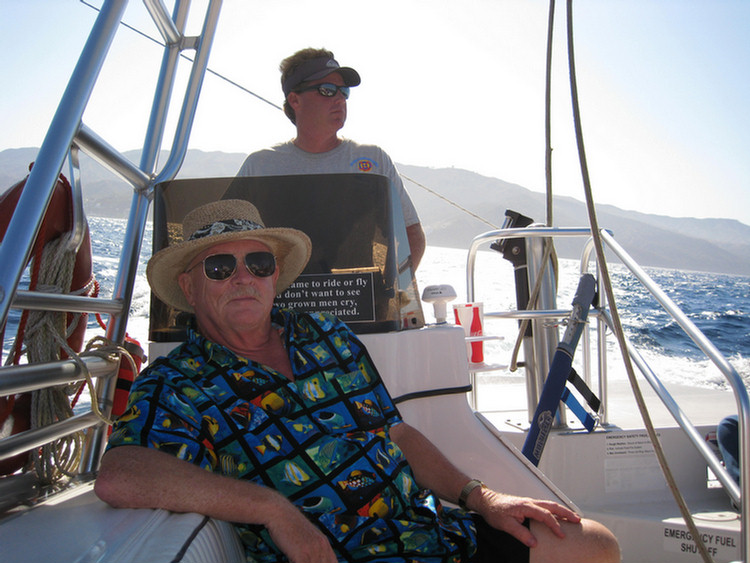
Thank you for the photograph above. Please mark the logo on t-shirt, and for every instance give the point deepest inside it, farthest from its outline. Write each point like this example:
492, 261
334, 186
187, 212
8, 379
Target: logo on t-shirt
364, 165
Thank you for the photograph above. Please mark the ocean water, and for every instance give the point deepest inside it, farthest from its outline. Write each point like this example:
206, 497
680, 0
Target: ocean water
718, 304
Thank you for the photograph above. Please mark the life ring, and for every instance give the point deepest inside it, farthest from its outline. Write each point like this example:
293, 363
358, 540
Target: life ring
15, 411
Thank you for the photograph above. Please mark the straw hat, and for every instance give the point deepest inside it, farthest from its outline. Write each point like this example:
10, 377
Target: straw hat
219, 222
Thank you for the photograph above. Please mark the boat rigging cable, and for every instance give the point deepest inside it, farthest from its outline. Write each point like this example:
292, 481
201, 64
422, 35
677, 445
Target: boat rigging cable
548, 246
607, 283
217, 74
276, 106
450, 202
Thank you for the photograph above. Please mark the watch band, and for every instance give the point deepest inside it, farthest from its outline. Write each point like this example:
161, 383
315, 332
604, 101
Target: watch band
466, 491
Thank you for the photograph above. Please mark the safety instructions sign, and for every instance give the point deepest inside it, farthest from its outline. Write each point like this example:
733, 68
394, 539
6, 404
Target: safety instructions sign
630, 464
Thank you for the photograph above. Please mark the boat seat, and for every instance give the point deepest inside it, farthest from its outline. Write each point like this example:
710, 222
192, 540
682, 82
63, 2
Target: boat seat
78, 526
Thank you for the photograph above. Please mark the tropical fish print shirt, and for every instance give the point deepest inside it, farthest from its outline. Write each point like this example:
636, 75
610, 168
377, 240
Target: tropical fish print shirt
321, 440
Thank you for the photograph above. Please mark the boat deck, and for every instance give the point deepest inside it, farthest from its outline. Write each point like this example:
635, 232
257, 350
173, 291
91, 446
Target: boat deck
614, 476
499, 397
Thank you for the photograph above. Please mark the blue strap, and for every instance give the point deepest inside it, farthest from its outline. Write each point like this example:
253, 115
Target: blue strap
588, 421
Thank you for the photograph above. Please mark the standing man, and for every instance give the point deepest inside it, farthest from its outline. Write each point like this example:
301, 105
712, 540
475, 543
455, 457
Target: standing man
315, 92
279, 422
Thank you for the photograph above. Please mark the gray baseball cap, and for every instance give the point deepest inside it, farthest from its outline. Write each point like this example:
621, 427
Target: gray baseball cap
314, 69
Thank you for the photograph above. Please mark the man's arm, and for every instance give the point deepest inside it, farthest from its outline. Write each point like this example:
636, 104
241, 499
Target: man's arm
434, 471
417, 243
139, 477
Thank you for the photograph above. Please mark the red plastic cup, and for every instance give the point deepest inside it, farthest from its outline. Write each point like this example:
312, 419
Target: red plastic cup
470, 316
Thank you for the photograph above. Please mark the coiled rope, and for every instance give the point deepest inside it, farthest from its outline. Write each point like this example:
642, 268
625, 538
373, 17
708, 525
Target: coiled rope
44, 336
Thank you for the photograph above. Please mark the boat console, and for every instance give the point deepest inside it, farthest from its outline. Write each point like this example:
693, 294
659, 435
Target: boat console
360, 269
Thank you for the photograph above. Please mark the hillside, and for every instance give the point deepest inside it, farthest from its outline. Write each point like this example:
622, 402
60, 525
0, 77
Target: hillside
653, 240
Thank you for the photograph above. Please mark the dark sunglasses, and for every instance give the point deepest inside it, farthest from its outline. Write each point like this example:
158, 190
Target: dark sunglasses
328, 90
221, 267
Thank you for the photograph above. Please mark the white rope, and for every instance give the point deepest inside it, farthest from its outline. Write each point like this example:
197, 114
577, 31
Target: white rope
106, 349
46, 333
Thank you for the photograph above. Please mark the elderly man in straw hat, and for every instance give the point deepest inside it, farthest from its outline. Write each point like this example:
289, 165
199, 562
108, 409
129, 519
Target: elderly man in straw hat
278, 421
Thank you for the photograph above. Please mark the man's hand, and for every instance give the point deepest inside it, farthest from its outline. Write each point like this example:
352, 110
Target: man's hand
297, 537
507, 513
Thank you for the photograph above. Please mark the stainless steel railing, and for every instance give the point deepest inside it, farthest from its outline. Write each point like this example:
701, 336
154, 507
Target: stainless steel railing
66, 136
737, 493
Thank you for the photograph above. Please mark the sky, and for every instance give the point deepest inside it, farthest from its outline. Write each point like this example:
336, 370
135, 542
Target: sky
663, 87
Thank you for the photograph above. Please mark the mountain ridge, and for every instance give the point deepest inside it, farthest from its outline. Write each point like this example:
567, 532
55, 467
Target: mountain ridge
468, 204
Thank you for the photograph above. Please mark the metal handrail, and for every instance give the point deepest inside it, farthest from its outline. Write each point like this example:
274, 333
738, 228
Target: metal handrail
142, 198
677, 413
737, 493
706, 346
77, 234
163, 22
32, 377
542, 314
192, 93
106, 155
529, 232
34, 200
42, 301
30, 439
67, 134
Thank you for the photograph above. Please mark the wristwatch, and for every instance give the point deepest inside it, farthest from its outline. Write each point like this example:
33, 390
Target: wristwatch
466, 491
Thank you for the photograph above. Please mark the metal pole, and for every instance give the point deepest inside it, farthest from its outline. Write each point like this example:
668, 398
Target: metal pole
37, 193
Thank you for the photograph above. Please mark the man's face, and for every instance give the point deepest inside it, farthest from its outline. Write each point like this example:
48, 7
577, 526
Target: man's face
314, 111
237, 304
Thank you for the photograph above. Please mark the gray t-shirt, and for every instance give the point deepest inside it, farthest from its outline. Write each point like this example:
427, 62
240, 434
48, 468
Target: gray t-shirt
286, 158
